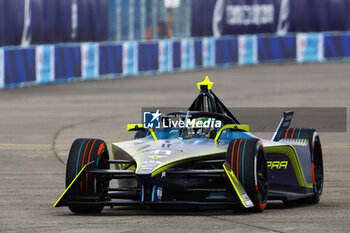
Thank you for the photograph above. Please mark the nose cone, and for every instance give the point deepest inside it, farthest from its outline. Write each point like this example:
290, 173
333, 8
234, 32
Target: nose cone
154, 159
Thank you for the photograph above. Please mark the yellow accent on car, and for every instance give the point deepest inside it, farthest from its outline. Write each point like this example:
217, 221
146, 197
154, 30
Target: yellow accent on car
65, 191
134, 126
277, 164
231, 126
206, 82
153, 135
241, 193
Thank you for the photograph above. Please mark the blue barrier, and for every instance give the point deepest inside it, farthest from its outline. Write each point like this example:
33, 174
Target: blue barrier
176, 55
67, 62
148, 57
226, 51
198, 53
19, 66
337, 46
276, 48
57, 63
110, 59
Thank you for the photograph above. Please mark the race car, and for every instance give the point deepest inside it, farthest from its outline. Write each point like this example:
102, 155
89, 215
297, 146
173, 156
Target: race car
219, 163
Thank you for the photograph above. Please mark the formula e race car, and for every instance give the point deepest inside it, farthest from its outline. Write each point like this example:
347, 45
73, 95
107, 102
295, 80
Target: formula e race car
219, 163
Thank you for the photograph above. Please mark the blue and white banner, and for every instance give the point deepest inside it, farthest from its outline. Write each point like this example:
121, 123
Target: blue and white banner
130, 62
247, 50
63, 62
187, 54
165, 56
2, 68
309, 47
89, 60
208, 44
45, 63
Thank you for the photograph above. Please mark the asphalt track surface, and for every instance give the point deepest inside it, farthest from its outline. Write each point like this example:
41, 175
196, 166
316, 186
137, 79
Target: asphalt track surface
33, 118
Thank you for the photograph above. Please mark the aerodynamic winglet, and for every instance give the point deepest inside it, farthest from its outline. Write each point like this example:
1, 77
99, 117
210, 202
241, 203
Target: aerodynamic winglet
243, 196
63, 197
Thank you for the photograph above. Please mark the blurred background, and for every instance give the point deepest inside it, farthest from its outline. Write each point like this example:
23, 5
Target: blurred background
46, 41
25, 22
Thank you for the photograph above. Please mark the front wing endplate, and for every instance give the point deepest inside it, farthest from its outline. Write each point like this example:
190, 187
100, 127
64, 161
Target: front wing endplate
241, 193
63, 198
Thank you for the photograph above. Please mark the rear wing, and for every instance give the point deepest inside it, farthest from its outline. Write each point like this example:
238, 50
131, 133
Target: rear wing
284, 124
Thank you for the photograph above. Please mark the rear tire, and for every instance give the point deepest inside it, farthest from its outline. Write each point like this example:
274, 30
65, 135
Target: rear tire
316, 160
84, 151
248, 161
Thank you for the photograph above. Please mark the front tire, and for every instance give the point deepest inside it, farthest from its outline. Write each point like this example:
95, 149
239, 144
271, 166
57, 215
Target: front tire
84, 151
248, 161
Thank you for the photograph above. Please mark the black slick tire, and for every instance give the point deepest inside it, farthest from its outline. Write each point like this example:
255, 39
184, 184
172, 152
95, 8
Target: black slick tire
84, 151
247, 159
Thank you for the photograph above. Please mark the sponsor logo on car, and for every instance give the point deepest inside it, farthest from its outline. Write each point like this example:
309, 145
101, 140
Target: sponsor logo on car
151, 120
277, 164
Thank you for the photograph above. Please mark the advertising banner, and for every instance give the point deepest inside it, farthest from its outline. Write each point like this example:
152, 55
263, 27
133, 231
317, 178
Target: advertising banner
237, 17
130, 58
208, 49
56, 63
309, 47
247, 50
45, 64
89, 60
233, 17
187, 54
165, 56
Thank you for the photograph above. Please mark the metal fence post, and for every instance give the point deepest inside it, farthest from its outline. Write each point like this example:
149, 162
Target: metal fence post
143, 19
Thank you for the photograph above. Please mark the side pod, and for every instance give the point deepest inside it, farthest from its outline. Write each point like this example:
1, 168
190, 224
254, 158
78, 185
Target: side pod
243, 196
